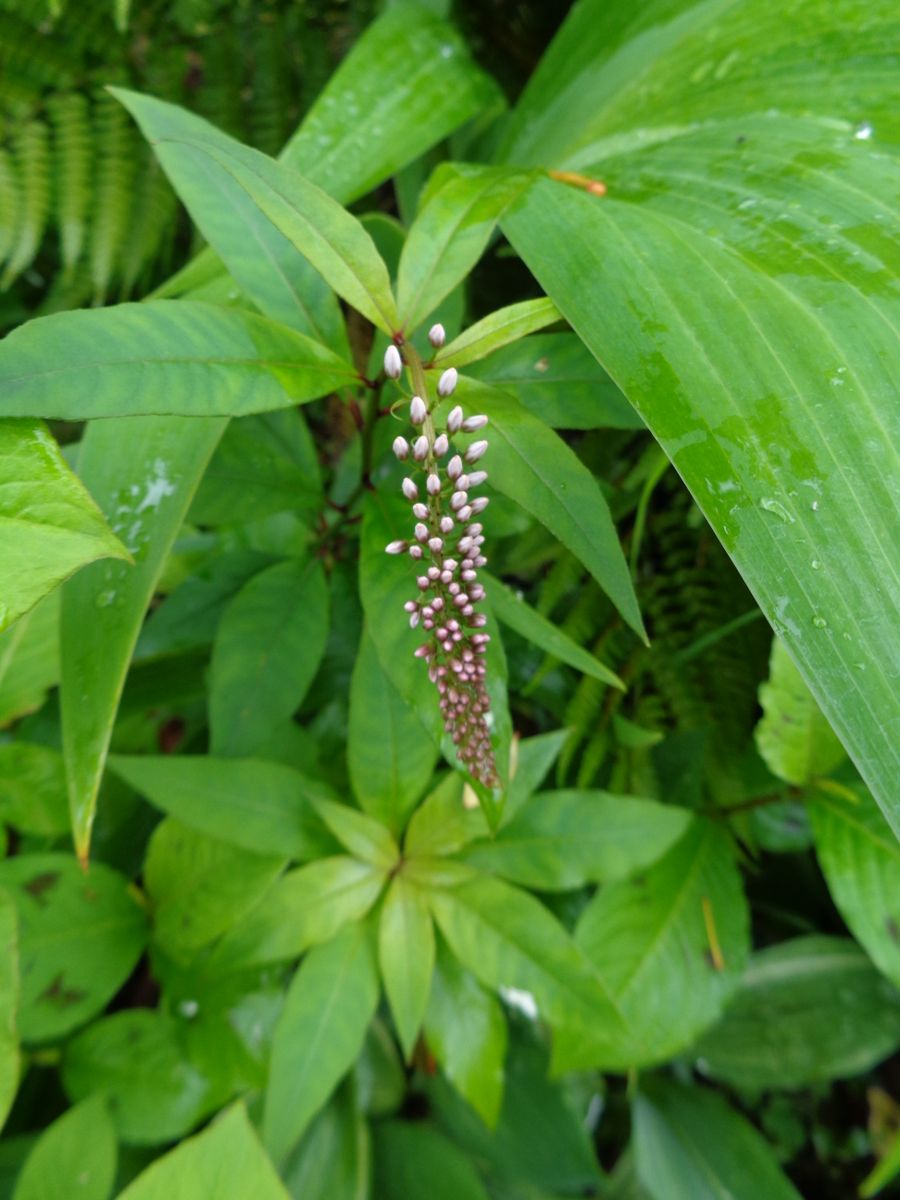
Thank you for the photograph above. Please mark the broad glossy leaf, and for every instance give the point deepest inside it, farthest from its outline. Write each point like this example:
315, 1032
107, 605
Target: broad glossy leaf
49, 525
690, 1145
33, 789
502, 327
333, 1158
267, 650
199, 887
466, 1032
406, 84
362, 835
561, 840
794, 739
75, 1156
511, 610
260, 259
533, 758
749, 312
450, 233
143, 473
390, 755
135, 1058
80, 934
860, 859
532, 465
558, 379
9, 1003
161, 357
307, 906
808, 1010
417, 1162
29, 659
406, 957
507, 939
259, 806
225, 1161
442, 824
670, 946
329, 1005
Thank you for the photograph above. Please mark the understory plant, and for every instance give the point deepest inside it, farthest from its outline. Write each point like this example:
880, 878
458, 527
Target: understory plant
413, 785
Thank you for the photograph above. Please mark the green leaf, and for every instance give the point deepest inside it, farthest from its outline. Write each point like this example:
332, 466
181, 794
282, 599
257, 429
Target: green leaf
329, 1005
225, 1161
689, 1145
533, 758
49, 525
466, 1031
558, 379
562, 840
499, 329
80, 934
161, 357
416, 1162
808, 1010
793, 738
136, 1060
390, 756
406, 84
143, 473
886, 1169
860, 859
442, 824
305, 907
199, 887
450, 233
260, 259
406, 957
509, 940
745, 269
359, 833
33, 789
75, 1156
9, 1003
511, 610
29, 659
670, 946
260, 806
532, 465
333, 1157
267, 650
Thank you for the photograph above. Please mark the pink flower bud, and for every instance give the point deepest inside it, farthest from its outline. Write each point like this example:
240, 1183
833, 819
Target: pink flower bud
421, 532
455, 467
441, 445
393, 363
450, 564
401, 448
447, 382
435, 545
433, 484
418, 410
476, 478
397, 547
420, 511
455, 419
437, 335
480, 504
475, 451
410, 491
446, 524
465, 512
470, 424
420, 448
423, 651
415, 551
458, 499
463, 483
434, 573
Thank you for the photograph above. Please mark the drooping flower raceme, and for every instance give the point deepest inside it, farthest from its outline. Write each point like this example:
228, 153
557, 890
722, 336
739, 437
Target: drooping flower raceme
447, 548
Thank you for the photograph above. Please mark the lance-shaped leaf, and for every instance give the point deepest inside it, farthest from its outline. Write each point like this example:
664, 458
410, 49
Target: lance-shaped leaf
532, 465
502, 327
260, 259
161, 357
406, 957
749, 309
75, 1156
319, 1035
143, 473
49, 525
9, 1003
450, 233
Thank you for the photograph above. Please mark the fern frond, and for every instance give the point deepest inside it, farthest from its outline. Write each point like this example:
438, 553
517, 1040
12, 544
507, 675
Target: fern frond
115, 149
70, 117
10, 204
33, 155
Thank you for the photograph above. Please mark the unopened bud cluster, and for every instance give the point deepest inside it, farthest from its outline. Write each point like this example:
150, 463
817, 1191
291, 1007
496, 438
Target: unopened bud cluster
447, 547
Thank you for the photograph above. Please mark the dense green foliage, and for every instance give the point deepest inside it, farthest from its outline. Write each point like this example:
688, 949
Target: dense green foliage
598, 892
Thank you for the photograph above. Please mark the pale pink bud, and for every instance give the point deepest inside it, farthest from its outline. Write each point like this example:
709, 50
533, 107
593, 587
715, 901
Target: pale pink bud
476, 478
470, 424
450, 564
475, 451
414, 620
437, 335
470, 576
397, 547
441, 445
411, 606
415, 551
455, 419
422, 651
465, 512
433, 484
446, 576
447, 382
480, 504
410, 491
437, 603
401, 448
435, 545
476, 592
421, 532
418, 410
463, 483
446, 524
458, 499
434, 573
475, 527
421, 511
420, 448
464, 544
480, 561
393, 363
455, 467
